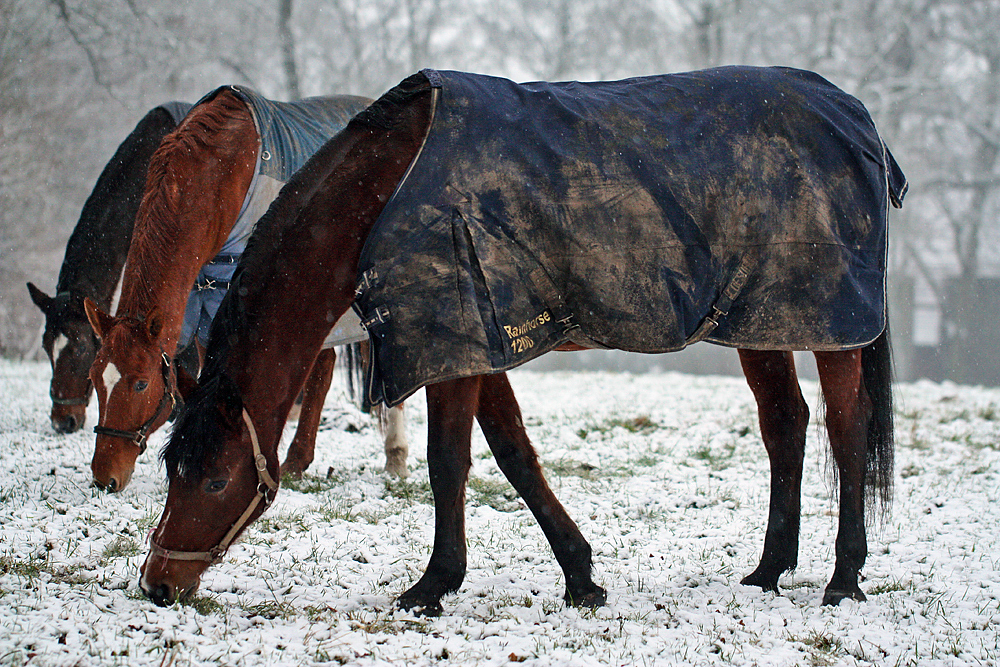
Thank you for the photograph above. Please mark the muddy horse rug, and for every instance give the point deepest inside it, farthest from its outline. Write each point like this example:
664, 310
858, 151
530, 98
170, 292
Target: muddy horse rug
742, 206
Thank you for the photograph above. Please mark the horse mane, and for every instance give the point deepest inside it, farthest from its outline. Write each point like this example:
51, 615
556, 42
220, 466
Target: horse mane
199, 430
200, 427
159, 213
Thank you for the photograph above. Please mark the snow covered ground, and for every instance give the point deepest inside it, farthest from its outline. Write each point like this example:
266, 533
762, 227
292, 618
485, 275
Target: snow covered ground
665, 475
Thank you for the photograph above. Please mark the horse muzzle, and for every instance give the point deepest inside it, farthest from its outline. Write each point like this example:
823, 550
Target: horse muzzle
71, 422
163, 587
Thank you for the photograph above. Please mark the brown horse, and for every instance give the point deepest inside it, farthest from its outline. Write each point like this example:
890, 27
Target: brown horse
198, 181
92, 266
222, 457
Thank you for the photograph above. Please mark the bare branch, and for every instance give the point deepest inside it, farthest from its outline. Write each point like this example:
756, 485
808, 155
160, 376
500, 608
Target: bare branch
91, 56
288, 48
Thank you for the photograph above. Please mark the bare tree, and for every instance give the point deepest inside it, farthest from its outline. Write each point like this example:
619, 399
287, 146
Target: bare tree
288, 49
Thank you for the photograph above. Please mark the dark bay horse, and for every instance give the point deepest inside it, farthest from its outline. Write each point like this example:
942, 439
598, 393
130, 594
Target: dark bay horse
222, 457
92, 265
207, 183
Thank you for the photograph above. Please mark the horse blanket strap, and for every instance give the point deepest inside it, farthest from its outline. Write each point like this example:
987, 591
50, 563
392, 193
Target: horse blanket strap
614, 214
721, 307
265, 485
225, 259
204, 283
170, 397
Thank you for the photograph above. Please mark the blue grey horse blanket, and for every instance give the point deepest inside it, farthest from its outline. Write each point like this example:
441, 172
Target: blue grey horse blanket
290, 132
177, 110
743, 206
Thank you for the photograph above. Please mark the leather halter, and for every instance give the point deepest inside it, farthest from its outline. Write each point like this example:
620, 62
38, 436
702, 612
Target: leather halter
83, 400
138, 437
265, 485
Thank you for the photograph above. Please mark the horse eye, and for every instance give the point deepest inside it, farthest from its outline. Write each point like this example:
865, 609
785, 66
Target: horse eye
141, 385
216, 485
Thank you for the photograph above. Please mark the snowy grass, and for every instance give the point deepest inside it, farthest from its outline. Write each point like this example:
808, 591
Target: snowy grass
665, 474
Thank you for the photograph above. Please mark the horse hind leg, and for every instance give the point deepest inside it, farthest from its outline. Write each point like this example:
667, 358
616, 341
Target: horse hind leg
303, 448
392, 424
848, 412
451, 408
500, 420
784, 418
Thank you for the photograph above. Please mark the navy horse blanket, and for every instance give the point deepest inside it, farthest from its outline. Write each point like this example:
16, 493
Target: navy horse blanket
743, 206
290, 132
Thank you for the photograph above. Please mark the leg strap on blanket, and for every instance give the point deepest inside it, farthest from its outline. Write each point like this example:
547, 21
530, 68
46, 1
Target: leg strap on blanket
721, 307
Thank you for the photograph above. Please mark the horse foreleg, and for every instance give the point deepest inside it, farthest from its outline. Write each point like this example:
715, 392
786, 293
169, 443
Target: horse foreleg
784, 418
848, 410
500, 420
392, 423
303, 448
451, 407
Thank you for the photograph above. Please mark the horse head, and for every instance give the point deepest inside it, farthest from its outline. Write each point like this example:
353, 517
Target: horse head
219, 483
136, 391
70, 345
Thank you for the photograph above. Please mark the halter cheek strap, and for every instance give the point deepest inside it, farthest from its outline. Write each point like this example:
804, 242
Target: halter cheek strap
265, 486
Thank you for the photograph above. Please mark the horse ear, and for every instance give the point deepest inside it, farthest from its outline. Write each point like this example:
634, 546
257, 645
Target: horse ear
154, 323
41, 299
99, 320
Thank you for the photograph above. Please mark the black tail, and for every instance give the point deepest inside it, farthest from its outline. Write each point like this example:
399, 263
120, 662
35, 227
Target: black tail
355, 355
876, 368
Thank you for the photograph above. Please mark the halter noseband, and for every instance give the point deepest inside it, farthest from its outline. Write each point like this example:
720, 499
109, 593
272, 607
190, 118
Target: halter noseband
138, 437
265, 485
83, 400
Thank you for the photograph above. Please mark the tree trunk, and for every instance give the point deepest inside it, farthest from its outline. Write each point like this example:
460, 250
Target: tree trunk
288, 49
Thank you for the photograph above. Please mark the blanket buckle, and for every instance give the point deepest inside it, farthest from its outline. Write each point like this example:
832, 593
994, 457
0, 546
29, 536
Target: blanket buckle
380, 316
368, 280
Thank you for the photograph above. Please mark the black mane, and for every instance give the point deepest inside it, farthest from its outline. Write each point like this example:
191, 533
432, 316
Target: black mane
201, 426
209, 413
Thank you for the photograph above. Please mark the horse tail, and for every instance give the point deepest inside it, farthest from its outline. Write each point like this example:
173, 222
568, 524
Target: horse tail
355, 354
876, 369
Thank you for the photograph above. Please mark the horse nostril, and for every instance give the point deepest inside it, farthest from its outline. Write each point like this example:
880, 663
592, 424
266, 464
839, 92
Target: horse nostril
66, 424
112, 485
161, 596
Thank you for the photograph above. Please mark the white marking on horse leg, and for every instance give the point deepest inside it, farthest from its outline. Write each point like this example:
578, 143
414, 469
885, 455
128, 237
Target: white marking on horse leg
396, 446
58, 345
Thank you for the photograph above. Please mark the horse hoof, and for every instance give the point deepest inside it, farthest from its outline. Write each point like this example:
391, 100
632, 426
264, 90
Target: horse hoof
763, 582
399, 471
598, 597
420, 607
833, 597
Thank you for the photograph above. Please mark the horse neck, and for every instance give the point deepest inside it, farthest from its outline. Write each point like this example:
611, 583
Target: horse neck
291, 311
96, 251
186, 214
